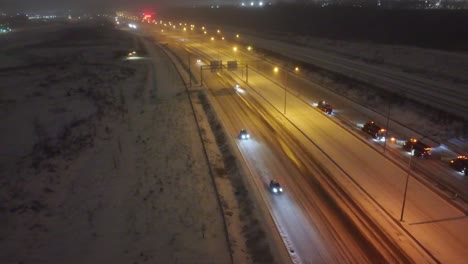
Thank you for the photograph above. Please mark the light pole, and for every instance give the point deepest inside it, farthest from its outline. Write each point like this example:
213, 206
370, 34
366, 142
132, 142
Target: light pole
406, 184
285, 91
216, 47
276, 70
235, 53
190, 71
386, 127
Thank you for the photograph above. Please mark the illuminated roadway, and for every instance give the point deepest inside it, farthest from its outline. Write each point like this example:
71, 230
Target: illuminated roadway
343, 199
435, 169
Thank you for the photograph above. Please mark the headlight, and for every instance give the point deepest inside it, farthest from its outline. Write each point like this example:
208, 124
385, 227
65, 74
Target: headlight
243, 136
281, 189
248, 136
275, 190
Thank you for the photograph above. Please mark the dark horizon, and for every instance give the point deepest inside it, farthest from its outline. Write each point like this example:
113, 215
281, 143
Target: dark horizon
23, 6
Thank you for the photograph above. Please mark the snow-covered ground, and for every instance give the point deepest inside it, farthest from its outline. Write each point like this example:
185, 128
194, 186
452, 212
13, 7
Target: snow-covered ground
100, 157
436, 64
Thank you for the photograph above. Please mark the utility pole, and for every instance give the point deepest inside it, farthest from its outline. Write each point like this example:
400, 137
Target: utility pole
246, 73
386, 127
201, 75
190, 71
406, 185
285, 91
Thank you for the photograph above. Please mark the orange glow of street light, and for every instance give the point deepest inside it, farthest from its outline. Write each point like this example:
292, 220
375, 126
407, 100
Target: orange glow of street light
276, 69
212, 38
296, 69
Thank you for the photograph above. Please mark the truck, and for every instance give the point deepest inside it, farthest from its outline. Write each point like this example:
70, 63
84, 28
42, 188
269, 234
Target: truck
325, 107
417, 148
375, 131
460, 164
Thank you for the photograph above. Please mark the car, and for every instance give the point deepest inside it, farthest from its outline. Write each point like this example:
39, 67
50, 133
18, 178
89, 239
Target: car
375, 131
417, 148
243, 134
325, 107
275, 187
460, 164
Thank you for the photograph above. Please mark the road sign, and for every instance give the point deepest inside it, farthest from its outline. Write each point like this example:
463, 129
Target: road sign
232, 65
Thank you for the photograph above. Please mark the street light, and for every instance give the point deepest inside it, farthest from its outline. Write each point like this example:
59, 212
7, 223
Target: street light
237, 36
276, 70
296, 69
234, 50
406, 184
249, 48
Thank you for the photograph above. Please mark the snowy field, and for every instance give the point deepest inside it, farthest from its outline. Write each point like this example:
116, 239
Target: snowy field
429, 63
101, 162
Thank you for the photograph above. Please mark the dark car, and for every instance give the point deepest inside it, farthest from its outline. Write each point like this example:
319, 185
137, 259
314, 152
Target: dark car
243, 134
460, 164
326, 107
417, 148
275, 187
374, 130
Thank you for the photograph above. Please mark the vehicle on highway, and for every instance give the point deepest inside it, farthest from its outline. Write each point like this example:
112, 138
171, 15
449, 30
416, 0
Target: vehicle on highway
275, 187
243, 134
325, 107
374, 130
417, 148
4, 28
460, 164
238, 88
